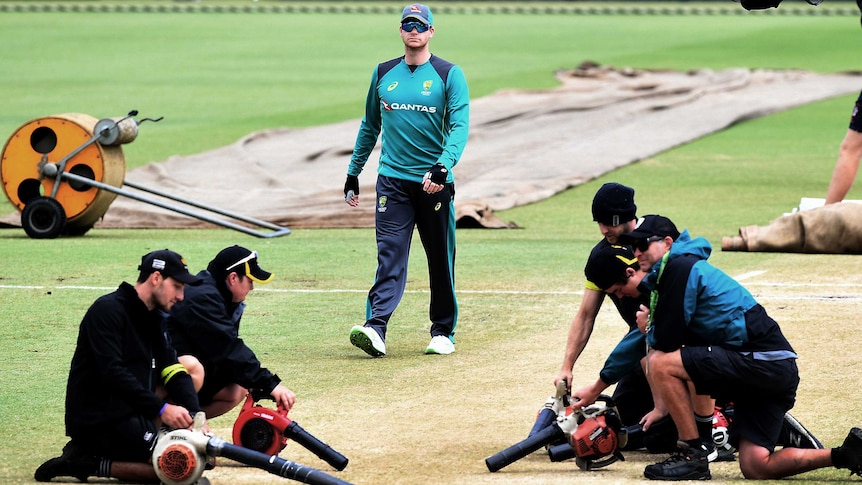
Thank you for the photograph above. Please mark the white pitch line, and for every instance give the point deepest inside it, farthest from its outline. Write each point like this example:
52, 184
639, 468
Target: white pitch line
300, 290
750, 274
754, 274
842, 298
837, 298
806, 285
761, 297
60, 287
483, 292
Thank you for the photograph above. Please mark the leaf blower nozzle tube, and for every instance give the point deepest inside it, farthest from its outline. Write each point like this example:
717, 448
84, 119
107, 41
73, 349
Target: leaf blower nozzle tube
525, 447
271, 463
323, 451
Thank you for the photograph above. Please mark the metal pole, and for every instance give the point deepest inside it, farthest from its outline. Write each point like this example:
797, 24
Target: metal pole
277, 230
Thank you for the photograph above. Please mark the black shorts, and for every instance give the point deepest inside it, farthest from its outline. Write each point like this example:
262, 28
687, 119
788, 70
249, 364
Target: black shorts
856, 117
761, 391
131, 439
213, 384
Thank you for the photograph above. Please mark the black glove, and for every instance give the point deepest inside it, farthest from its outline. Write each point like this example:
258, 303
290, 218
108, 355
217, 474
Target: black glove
352, 183
437, 174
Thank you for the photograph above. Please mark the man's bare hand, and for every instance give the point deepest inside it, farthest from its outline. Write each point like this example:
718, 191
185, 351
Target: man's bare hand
642, 317
651, 418
177, 417
283, 397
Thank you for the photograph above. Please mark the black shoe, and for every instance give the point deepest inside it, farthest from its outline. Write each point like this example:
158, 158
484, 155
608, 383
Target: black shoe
74, 462
849, 454
686, 464
794, 435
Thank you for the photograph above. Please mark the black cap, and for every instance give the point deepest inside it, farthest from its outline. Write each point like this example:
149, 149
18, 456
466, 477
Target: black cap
240, 260
614, 204
607, 266
169, 264
651, 225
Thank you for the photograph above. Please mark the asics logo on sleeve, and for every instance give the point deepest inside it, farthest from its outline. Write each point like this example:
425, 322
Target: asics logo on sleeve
392, 86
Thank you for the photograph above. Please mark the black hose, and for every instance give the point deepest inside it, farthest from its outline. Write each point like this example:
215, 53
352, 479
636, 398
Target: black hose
272, 464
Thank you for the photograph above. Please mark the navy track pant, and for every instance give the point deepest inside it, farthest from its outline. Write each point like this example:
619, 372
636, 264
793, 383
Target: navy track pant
401, 206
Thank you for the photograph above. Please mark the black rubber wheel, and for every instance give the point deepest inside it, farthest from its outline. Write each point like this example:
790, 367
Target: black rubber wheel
43, 218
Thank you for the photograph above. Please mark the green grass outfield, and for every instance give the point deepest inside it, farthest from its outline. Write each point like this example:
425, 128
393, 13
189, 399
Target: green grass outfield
216, 76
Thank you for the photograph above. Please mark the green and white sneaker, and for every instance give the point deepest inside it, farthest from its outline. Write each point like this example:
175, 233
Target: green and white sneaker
440, 345
368, 340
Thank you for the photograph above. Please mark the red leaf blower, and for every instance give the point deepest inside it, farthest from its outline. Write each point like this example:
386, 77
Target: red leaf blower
591, 435
268, 430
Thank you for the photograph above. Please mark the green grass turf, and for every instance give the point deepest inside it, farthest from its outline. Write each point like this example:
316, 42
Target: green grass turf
216, 77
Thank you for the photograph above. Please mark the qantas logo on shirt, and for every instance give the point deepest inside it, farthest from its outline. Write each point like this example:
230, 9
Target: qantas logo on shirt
408, 107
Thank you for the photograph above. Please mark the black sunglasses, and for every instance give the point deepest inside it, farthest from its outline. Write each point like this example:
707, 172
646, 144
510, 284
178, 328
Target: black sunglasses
419, 26
643, 244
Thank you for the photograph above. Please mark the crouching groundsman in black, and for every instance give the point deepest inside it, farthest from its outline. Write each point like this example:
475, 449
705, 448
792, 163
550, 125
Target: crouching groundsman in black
707, 334
204, 329
125, 381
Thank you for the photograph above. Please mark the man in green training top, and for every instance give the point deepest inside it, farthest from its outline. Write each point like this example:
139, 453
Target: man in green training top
421, 105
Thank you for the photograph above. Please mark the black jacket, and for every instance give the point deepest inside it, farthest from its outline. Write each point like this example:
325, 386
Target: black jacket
206, 325
121, 351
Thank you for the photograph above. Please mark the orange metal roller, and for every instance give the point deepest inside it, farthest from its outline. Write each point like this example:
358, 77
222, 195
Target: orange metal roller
62, 172
48, 140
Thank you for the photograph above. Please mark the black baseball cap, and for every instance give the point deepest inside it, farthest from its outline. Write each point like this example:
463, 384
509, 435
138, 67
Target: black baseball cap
169, 264
607, 265
240, 260
614, 204
651, 225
